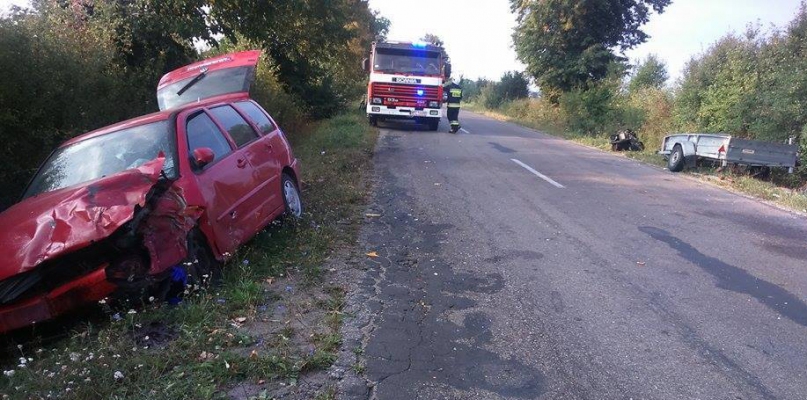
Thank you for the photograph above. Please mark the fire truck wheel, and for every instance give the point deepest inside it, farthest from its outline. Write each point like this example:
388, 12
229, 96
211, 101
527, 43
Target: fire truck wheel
434, 124
372, 120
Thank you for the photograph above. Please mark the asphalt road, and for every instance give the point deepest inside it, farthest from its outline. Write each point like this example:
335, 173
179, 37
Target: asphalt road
515, 265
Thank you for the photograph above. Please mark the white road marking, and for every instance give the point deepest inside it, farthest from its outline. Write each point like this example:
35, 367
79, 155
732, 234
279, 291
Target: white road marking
538, 174
463, 130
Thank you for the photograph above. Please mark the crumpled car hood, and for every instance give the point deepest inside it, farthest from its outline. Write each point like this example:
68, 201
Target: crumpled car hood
51, 224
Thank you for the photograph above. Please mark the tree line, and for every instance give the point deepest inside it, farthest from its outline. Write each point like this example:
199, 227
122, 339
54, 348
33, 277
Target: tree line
67, 67
752, 84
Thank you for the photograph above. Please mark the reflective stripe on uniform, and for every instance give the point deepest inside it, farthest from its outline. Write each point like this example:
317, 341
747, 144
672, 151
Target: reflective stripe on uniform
453, 105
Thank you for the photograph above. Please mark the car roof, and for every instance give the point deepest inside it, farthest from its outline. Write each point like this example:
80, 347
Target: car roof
153, 117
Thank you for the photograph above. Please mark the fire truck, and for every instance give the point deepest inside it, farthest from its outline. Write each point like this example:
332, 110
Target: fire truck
406, 82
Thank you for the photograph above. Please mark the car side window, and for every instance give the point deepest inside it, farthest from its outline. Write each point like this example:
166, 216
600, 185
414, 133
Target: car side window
257, 116
203, 132
238, 128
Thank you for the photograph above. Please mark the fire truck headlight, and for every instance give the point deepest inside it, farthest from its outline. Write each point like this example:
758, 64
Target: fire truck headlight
376, 100
434, 104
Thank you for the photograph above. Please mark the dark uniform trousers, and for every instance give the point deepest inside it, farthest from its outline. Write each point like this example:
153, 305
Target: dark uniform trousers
453, 106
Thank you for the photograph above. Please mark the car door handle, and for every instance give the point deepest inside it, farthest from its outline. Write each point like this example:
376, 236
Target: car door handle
241, 163
269, 146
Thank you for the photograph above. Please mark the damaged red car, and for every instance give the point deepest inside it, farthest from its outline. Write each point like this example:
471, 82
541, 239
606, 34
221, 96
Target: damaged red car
132, 205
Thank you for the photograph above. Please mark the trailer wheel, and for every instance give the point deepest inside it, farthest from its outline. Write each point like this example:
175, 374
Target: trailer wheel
676, 161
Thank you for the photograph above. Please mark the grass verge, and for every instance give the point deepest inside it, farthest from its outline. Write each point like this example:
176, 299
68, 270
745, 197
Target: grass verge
744, 184
249, 329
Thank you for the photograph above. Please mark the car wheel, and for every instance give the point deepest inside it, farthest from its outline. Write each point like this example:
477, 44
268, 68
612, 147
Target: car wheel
202, 267
291, 197
199, 268
676, 160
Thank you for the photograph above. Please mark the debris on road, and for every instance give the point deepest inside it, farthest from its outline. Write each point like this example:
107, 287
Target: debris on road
372, 254
626, 140
372, 215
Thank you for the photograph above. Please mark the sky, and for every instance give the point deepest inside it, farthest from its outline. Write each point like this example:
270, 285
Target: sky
477, 33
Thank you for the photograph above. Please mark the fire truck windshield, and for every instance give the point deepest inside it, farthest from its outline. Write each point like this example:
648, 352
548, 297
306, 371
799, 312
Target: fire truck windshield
408, 62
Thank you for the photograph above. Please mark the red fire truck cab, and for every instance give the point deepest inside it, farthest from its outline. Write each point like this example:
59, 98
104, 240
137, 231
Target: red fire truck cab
406, 82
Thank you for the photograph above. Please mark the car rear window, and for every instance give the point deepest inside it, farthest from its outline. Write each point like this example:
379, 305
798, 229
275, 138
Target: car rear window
105, 155
235, 124
203, 132
257, 116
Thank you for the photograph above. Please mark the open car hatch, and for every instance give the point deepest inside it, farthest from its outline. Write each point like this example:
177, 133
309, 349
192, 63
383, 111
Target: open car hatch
228, 74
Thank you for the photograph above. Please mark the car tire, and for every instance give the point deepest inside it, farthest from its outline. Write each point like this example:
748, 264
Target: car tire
202, 266
675, 162
291, 197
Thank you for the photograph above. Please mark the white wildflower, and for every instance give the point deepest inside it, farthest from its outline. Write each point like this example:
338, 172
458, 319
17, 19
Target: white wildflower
118, 375
9, 373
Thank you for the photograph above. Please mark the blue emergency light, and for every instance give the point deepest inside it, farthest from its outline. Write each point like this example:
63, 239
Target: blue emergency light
419, 44
420, 92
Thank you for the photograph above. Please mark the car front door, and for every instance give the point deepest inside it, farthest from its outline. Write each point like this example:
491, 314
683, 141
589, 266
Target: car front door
226, 183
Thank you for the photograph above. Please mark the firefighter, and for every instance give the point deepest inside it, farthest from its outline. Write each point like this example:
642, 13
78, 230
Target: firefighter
454, 96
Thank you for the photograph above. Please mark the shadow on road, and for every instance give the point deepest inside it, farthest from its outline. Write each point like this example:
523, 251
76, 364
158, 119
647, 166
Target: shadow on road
736, 279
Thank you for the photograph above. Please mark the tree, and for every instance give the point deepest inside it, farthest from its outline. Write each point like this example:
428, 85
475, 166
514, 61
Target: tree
568, 43
652, 72
435, 40
512, 86
314, 45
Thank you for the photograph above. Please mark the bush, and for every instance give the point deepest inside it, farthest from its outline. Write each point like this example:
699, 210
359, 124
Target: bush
656, 108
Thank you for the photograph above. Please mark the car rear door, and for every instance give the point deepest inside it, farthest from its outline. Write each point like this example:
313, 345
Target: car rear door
260, 154
271, 137
226, 184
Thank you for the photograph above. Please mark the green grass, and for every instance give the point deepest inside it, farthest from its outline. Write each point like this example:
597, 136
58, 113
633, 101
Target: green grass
207, 352
740, 183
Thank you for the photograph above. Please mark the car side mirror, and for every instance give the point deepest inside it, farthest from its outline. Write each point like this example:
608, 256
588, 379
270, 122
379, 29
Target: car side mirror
365, 65
447, 70
202, 157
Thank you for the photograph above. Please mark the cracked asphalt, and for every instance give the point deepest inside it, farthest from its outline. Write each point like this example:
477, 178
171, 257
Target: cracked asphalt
623, 281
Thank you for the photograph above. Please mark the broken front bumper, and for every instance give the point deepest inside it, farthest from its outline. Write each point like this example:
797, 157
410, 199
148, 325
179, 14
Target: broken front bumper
81, 291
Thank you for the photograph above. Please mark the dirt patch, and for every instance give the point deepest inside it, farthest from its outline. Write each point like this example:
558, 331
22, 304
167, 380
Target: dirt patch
155, 335
298, 323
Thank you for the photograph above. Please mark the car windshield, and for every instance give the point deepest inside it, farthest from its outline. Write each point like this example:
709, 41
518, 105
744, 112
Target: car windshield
214, 83
398, 61
105, 155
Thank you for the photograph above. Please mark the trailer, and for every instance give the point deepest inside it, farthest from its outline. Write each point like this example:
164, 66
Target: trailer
685, 149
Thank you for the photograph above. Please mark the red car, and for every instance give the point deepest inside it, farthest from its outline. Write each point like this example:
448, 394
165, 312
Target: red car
128, 206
